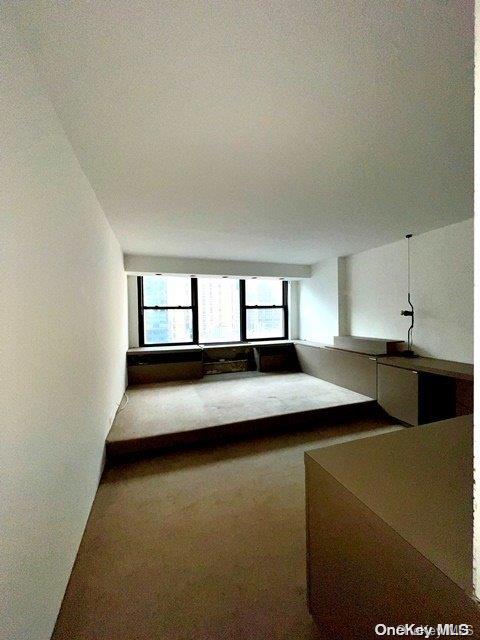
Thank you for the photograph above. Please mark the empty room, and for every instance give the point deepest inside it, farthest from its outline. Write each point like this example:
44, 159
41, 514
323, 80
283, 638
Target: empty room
237, 320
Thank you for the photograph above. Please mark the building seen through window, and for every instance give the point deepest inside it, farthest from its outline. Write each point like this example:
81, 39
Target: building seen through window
218, 310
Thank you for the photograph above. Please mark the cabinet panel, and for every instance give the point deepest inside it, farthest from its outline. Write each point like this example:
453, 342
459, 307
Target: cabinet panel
398, 393
353, 371
148, 373
361, 572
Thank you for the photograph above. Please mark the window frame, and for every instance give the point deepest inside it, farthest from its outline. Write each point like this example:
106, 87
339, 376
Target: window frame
193, 306
244, 308
194, 309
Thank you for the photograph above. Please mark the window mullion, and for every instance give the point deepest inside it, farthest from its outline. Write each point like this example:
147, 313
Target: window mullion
243, 312
141, 332
194, 307
285, 309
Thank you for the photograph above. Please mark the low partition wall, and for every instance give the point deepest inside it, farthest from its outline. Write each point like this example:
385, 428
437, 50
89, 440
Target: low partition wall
354, 371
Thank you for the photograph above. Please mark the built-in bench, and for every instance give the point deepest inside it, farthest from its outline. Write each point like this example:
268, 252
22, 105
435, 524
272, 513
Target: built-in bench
184, 362
156, 364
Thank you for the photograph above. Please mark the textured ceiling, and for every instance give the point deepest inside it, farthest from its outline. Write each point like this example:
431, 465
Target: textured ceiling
273, 131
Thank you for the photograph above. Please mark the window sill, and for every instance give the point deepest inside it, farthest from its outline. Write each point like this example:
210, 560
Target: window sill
200, 347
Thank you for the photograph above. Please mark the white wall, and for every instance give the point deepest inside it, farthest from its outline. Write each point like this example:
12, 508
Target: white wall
138, 264
442, 292
363, 294
293, 309
64, 335
319, 303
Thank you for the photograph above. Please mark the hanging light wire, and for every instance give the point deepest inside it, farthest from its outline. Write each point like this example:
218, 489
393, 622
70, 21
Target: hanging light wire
411, 313
408, 265
408, 262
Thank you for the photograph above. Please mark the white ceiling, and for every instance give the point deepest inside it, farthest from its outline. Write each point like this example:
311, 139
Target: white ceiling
285, 131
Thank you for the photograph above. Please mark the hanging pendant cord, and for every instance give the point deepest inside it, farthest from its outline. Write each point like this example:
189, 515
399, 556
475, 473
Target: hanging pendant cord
409, 312
408, 265
410, 331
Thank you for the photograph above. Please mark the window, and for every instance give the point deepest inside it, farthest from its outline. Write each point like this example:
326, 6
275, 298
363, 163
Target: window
166, 310
265, 323
266, 309
218, 310
179, 310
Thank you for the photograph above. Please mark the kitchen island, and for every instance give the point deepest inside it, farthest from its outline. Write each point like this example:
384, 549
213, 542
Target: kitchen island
390, 530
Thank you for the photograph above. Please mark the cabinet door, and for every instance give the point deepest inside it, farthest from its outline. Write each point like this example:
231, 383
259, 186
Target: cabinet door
398, 393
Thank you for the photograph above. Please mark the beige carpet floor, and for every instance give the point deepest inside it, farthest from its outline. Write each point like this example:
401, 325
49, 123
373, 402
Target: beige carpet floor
171, 407
200, 545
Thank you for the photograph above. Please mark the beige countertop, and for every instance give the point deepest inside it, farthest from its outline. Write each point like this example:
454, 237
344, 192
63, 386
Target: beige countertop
460, 370
420, 482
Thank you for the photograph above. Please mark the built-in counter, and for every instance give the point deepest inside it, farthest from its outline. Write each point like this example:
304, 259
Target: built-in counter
412, 390
390, 530
190, 361
422, 390
446, 368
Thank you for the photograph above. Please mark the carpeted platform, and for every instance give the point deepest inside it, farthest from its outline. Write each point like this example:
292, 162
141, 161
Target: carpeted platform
204, 544
218, 406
